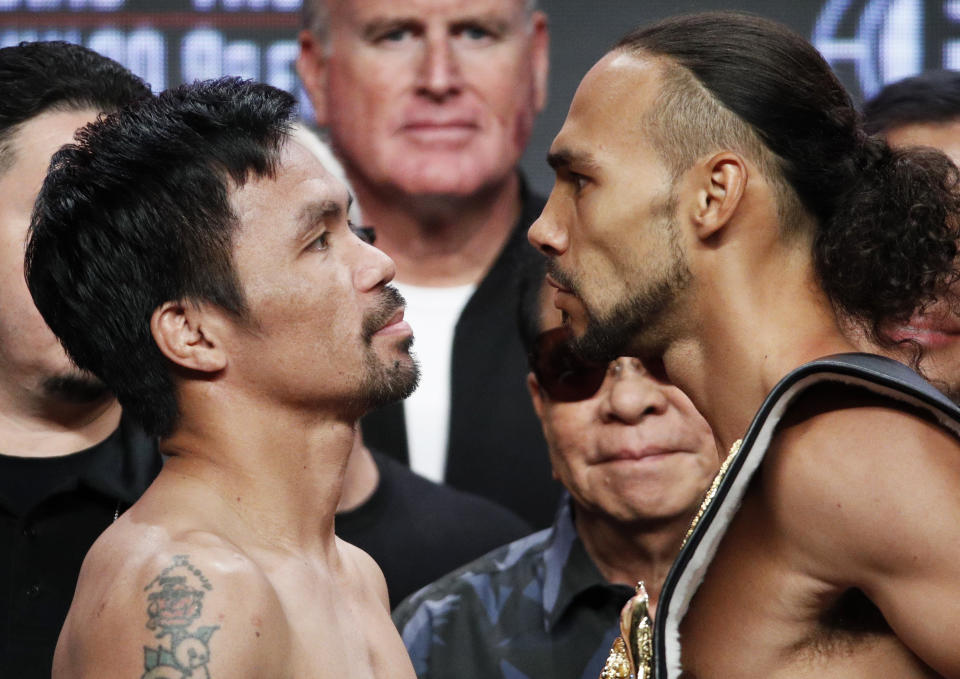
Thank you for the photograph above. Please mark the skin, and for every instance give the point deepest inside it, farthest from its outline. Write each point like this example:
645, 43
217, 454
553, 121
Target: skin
937, 328
248, 498
637, 459
35, 420
823, 519
413, 97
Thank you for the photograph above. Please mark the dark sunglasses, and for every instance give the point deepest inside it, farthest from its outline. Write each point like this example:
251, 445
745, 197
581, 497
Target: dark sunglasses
365, 233
562, 374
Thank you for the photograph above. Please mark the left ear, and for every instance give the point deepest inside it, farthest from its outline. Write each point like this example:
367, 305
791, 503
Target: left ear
539, 57
184, 336
718, 184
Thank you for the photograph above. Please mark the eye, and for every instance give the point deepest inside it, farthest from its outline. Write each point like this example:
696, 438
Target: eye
321, 242
395, 34
475, 33
579, 181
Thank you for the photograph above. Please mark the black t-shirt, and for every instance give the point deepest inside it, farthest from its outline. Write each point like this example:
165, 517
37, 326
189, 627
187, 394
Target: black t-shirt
418, 530
51, 511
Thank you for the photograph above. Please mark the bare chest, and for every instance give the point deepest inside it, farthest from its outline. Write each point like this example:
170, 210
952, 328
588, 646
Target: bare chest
759, 614
340, 632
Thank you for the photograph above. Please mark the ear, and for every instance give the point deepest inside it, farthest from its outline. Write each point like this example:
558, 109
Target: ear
719, 184
312, 67
533, 386
183, 336
540, 57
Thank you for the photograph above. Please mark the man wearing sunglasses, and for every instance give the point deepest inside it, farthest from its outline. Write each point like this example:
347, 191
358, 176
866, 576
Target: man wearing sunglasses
636, 459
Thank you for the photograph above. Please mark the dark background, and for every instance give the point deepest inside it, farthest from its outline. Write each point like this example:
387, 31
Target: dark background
869, 42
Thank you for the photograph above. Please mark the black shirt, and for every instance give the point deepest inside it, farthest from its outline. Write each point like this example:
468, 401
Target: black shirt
51, 511
495, 447
418, 530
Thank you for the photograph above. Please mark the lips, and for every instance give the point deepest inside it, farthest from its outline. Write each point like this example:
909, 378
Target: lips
393, 320
935, 328
387, 314
636, 454
556, 284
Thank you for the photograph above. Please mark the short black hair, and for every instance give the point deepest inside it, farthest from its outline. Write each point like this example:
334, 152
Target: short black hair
885, 221
929, 98
137, 214
37, 77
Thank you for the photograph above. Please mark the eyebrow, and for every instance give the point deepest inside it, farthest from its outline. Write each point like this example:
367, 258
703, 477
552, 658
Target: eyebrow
564, 158
321, 211
378, 25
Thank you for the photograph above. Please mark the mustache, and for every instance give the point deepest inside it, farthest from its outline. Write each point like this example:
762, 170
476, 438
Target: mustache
389, 303
560, 276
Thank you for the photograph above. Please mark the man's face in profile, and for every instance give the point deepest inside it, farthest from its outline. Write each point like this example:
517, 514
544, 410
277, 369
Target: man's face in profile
609, 227
429, 97
323, 327
30, 354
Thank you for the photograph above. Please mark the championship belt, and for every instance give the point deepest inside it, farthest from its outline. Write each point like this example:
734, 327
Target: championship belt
631, 656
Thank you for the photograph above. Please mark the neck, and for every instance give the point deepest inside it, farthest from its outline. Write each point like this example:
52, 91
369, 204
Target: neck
361, 477
756, 324
627, 554
36, 425
279, 471
445, 240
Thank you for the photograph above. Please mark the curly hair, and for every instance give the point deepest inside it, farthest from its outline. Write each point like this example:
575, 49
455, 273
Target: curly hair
886, 228
136, 214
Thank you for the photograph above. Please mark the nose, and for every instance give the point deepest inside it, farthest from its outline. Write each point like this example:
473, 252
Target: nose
374, 269
630, 394
440, 75
546, 234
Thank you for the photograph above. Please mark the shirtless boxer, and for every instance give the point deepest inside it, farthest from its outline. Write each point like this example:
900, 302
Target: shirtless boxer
197, 258
717, 206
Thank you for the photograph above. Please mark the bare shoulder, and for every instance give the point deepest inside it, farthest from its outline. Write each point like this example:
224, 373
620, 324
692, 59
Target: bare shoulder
363, 571
852, 474
155, 608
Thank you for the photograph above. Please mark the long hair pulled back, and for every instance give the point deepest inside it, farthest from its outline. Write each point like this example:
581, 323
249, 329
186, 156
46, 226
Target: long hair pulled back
886, 220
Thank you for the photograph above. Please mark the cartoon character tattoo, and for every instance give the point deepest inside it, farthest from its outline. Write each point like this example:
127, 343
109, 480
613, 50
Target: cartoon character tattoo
175, 603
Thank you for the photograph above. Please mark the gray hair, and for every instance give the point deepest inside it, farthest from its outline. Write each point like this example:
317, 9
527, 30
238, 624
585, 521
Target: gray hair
315, 16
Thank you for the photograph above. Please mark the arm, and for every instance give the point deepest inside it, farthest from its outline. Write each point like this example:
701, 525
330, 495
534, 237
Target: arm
189, 611
869, 497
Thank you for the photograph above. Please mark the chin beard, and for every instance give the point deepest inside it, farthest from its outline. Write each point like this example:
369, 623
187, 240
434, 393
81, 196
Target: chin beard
78, 388
636, 326
387, 384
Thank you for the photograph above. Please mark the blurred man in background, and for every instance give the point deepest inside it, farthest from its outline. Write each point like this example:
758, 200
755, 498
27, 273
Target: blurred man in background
429, 106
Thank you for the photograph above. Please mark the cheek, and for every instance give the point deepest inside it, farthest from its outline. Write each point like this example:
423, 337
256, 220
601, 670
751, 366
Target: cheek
569, 435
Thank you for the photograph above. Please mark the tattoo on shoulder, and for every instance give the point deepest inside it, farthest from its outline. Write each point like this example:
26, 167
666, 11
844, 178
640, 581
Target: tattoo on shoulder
174, 604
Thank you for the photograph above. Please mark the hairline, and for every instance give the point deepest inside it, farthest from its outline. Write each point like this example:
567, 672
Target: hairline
315, 16
9, 135
688, 122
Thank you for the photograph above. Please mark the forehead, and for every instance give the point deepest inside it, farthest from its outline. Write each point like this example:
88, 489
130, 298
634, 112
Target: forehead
36, 139
365, 10
944, 136
609, 107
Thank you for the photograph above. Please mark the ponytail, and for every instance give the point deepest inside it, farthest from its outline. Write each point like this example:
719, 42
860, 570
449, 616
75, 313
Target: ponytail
889, 245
